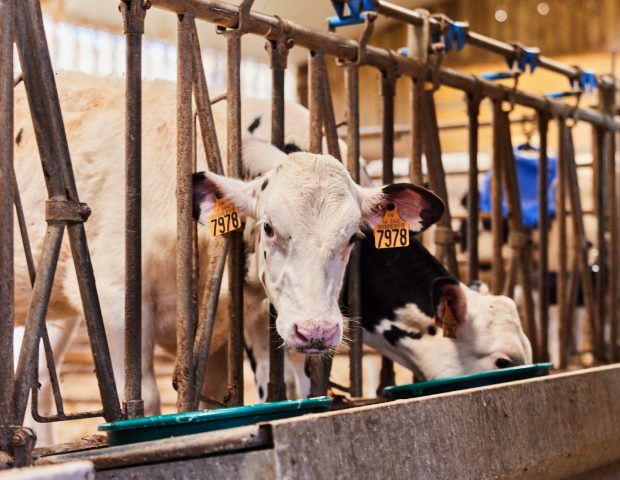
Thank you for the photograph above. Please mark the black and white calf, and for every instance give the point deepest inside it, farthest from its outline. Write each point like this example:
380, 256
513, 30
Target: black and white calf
404, 288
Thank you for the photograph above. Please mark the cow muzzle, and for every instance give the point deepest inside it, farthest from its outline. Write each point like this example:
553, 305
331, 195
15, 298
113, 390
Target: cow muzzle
315, 339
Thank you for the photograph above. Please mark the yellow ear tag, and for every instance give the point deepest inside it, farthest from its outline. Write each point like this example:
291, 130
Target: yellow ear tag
224, 218
448, 323
392, 231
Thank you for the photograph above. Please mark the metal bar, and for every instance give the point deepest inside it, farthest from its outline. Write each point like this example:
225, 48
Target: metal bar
329, 117
444, 236
207, 316
601, 208
51, 140
186, 327
278, 52
352, 115
561, 192
226, 15
315, 100
473, 110
415, 167
7, 308
520, 240
497, 279
133, 15
236, 254
23, 229
580, 238
507, 50
543, 237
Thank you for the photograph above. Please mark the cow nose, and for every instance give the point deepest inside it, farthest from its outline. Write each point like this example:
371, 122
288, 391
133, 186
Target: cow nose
316, 339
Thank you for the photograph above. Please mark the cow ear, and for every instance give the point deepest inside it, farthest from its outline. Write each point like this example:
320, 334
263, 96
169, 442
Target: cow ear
447, 293
416, 205
207, 187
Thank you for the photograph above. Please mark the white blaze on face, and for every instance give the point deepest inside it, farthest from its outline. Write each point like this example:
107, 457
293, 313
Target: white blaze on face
308, 212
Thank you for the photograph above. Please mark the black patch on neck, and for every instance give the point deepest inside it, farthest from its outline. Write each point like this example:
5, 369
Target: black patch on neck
264, 185
254, 125
251, 357
394, 334
292, 148
261, 392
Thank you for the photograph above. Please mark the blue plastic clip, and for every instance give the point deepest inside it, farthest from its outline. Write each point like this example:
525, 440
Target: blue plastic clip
404, 51
587, 81
558, 95
356, 10
455, 32
528, 56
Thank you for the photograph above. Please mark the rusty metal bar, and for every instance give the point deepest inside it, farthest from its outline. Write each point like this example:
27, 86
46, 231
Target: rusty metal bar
329, 117
519, 239
543, 236
186, 323
226, 15
278, 53
561, 191
352, 116
444, 235
133, 19
51, 139
415, 167
507, 50
600, 199
497, 279
316, 64
473, 110
7, 309
581, 250
236, 255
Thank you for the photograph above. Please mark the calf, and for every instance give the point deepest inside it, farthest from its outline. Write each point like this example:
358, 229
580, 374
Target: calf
404, 289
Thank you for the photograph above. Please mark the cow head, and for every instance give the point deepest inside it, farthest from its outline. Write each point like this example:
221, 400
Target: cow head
306, 214
489, 332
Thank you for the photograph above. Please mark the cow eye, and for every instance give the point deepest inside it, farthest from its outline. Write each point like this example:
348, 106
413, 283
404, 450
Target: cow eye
268, 229
503, 363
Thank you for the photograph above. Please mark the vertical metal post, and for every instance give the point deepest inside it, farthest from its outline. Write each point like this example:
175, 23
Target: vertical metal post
7, 312
543, 236
52, 142
315, 100
497, 280
562, 241
601, 137
351, 92
278, 52
134, 13
186, 327
235, 258
473, 110
388, 80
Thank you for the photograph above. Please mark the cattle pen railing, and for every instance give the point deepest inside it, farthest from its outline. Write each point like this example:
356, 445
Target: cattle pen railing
22, 22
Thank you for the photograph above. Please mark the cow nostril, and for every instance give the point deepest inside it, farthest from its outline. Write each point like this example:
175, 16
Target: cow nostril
503, 363
300, 335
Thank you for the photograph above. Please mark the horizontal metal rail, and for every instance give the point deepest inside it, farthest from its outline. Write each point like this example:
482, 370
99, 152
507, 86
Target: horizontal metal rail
226, 15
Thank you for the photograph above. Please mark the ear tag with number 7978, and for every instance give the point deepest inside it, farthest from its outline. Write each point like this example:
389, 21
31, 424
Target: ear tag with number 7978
224, 218
392, 231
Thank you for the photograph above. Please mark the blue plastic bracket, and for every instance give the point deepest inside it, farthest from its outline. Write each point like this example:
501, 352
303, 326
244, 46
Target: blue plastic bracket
492, 76
558, 95
357, 8
587, 81
525, 57
453, 33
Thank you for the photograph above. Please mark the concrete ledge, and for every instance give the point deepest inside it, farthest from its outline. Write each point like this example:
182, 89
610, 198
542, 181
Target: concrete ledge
66, 471
552, 427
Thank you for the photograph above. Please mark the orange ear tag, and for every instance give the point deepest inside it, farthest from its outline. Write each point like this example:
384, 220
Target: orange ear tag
448, 323
224, 218
392, 231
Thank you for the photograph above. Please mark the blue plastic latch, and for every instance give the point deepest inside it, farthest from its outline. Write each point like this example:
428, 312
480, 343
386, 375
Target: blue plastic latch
356, 10
497, 75
529, 56
454, 33
404, 51
587, 81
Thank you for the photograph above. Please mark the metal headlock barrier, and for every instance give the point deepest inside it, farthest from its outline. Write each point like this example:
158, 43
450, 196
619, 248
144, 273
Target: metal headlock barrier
429, 36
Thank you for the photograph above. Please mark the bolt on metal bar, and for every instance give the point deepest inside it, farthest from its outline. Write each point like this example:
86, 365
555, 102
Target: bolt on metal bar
543, 236
236, 254
278, 52
51, 140
226, 15
133, 12
7, 309
186, 323
352, 115
473, 111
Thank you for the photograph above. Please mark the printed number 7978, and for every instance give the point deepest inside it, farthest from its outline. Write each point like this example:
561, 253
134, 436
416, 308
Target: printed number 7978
223, 223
